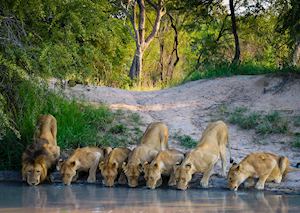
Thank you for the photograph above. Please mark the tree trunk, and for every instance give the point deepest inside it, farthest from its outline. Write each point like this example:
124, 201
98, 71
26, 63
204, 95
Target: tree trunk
136, 65
139, 33
161, 58
296, 54
236, 59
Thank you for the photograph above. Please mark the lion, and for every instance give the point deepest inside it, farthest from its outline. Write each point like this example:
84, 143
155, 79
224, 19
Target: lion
43, 153
267, 167
112, 166
211, 147
154, 140
162, 165
82, 159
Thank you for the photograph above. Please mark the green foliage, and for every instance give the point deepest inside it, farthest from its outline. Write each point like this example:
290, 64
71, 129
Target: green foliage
186, 141
75, 40
296, 142
78, 124
243, 69
270, 123
297, 121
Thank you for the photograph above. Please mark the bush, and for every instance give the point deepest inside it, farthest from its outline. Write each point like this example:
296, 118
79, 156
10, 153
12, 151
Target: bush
262, 124
78, 124
187, 141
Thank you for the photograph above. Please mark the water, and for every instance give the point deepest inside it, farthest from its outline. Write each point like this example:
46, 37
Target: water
17, 197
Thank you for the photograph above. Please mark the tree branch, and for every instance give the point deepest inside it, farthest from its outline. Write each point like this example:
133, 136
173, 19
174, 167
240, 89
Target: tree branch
159, 13
133, 22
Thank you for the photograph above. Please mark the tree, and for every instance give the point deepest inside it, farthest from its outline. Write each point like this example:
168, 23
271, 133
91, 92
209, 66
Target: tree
236, 59
289, 20
141, 41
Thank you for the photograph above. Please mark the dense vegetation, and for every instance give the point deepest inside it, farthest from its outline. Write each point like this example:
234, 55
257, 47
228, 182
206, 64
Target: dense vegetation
128, 44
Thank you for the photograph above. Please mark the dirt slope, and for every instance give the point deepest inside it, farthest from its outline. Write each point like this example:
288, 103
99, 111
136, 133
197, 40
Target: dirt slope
188, 108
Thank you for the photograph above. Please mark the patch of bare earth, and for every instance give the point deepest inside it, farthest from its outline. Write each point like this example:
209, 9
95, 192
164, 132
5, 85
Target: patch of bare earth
188, 108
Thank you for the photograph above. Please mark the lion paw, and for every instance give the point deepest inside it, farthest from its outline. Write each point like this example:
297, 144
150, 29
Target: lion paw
91, 180
259, 186
204, 184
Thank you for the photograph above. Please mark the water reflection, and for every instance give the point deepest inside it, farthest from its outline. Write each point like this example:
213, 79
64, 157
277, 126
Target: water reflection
96, 198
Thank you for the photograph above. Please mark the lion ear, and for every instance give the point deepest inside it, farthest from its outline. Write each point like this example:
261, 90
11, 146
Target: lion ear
124, 166
114, 165
145, 166
101, 165
107, 150
188, 166
140, 167
59, 164
73, 163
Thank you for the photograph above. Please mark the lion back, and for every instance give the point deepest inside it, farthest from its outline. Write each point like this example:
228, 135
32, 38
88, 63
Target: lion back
156, 135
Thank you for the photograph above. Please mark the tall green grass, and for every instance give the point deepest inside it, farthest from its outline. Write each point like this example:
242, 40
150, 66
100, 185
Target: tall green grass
78, 124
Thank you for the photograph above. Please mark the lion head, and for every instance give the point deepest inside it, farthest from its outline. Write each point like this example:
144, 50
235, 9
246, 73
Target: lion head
236, 176
152, 174
109, 172
68, 171
34, 172
183, 175
132, 172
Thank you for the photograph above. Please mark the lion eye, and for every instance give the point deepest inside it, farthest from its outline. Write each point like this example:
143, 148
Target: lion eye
38, 171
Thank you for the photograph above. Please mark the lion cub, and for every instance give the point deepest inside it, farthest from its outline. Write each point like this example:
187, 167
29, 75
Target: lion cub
154, 140
82, 159
43, 153
112, 166
162, 165
265, 166
211, 147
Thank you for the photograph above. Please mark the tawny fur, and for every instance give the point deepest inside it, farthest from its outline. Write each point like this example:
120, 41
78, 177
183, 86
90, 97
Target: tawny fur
265, 166
111, 167
43, 153
162, 164
82, 160
211, 148
154, 140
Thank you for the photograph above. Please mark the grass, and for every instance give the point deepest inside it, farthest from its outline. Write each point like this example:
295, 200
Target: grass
78, 124
186, 141
263, 124
226, 70
297, 121
296, 142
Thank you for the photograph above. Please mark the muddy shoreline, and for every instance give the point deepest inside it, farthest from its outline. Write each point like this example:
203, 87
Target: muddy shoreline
216, 182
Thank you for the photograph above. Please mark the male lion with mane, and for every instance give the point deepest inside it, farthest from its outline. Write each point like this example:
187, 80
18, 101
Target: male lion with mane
265, 166
112, 166
211, 147
154, 140
43, 153
162, 165
82, 159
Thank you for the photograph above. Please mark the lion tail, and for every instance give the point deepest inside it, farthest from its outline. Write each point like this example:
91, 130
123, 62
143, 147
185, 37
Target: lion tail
294, 168
285, 167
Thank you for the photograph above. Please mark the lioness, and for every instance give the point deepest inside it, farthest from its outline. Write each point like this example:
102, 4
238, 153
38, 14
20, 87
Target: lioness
82, 159
211, 147
154, 140
112, 166
43, 153
265, 166
162, 165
